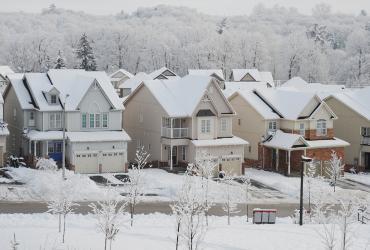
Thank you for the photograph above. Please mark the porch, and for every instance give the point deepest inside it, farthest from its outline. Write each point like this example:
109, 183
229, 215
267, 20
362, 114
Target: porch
175, 128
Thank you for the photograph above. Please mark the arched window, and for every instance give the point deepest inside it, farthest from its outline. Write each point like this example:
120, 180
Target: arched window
321, 127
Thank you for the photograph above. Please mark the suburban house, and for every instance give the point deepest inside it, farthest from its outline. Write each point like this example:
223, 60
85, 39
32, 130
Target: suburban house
131, 84
215, 73
281, 126
36, 105
353, 125
4, 72
4, 132
177, 121
163, 74
252, 75
119, 77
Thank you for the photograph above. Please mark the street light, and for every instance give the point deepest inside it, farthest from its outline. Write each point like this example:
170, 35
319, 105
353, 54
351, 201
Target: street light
304, 159
64, 139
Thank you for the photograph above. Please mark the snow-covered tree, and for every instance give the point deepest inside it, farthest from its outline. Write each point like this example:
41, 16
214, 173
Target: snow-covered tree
221, 26
309, 178
48, 164
85, 54
246, 189
109, 216
335, 169
135, 185
60, 61
347, 216
14, 243
230, 205
189, 209
206, 165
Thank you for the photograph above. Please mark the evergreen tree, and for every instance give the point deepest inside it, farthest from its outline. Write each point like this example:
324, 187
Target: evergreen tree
85, 53
60, 61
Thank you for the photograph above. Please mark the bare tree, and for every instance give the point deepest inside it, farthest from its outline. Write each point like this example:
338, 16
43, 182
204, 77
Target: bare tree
309, 178
246, 188
335, 169
135, 184
108, 214
230, 198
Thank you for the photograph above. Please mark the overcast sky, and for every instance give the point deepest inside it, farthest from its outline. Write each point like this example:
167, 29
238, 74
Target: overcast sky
218, 7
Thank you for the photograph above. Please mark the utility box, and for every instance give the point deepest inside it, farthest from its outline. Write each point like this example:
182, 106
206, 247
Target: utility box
264, 216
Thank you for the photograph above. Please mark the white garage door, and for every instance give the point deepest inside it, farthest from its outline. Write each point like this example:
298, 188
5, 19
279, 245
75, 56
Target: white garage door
86, 163
231, 165
112, 162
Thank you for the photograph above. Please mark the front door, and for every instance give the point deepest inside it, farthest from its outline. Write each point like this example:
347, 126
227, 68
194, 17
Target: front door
55, 150
174, 155
273, 160
367, 161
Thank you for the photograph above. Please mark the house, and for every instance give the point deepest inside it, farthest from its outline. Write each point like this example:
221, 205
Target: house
163, 74
215, 73
4, 72
118, 77
34, 105
177, 120
4, 132
252, 75
353, 125
281, 126
131, 84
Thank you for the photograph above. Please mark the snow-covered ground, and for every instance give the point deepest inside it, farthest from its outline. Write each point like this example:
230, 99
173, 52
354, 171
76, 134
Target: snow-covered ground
157, 232
363, 178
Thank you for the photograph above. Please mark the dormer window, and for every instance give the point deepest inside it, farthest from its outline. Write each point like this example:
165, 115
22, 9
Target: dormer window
53, 99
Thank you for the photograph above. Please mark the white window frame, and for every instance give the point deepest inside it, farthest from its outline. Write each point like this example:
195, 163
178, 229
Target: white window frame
205, 126
223, 125
321, 127
183, 153
53, 99
272, 125
105, 122
302, 129
82, 120
31, 119
98, 118
54, 122
365, 131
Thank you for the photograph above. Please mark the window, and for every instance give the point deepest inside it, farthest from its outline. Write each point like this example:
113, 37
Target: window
272, 125
239, 122
31, 121
223, 125
250, 149
97, 121
84, 120
205, 126
55, 120
321, 127
105, 120
92, 120
53, 99
365, 131
301, 129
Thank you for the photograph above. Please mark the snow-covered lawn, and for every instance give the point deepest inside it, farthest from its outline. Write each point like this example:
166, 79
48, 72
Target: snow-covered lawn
291, 185
363, 178
157, 232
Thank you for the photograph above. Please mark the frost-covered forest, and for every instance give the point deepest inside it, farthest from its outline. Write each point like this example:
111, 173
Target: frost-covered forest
322, 47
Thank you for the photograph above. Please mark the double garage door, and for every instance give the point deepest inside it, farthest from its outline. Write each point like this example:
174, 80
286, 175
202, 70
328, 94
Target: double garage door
232, 165
99, 162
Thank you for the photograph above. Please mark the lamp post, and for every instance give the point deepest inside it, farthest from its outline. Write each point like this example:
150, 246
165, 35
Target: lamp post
64, 139
304, 159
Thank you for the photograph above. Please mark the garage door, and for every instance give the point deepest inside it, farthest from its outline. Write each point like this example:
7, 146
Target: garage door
86, 163
112, 162
231, 165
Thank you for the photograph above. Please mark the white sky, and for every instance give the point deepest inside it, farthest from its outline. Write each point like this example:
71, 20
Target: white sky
218, 7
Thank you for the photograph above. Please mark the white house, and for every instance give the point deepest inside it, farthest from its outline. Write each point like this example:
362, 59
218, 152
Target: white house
177, 120
252, 75
4, 72
215, 73
163, 74
34, 105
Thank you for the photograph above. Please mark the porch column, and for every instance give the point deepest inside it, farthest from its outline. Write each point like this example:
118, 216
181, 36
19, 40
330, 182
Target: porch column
30, 147
161, 150
277, 160
263, 157
171, 133
289, 162
47, 148
34, 148
171, 161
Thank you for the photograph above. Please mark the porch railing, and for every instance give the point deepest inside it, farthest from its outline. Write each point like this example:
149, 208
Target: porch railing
175, 132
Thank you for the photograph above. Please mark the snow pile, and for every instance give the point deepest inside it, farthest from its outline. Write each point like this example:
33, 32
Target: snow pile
157, 232
43, 185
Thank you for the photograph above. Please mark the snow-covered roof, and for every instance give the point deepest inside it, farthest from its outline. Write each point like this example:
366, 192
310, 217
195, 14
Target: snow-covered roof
264, 110
160, 72
74, 82
36, 135
290, 104
123, 71
238, 74
208, 72
285, 141
233, 141
295, 82
135, 81
5, 71
179, 97
4, 130
266, 76
16, 81
335, 142
232, 87
358, 100
98, 136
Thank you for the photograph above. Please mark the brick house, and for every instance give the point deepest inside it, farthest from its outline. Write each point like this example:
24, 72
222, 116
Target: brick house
283, 125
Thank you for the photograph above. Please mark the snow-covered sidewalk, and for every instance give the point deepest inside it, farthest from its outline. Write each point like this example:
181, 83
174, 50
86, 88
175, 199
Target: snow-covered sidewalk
363, 178
157, 232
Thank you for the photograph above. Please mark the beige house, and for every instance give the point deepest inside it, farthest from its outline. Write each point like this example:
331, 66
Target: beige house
281, 126
38, 104
353, 125
252, 75
177, 120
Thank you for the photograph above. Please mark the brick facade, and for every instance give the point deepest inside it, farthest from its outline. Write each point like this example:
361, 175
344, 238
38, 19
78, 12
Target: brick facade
310, 134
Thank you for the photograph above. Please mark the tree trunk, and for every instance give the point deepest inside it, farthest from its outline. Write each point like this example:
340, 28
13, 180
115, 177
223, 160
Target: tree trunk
132, 210
64, 226
105, 242
60, 223
178, 234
